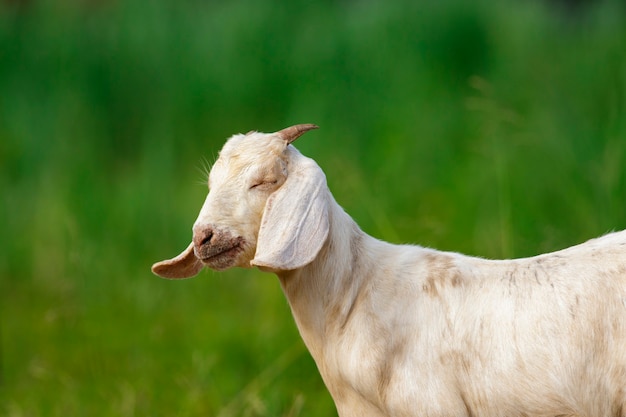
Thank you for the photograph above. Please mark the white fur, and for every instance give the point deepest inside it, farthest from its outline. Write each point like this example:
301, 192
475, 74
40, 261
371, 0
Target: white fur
409, 331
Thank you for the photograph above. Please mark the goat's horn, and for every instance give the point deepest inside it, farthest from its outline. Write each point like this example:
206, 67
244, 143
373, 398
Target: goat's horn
292, 133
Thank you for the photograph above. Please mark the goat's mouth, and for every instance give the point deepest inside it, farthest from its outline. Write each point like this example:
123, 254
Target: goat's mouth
222, 257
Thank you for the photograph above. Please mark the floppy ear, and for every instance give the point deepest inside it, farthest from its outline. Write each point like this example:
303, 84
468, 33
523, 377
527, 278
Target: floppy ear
185, 265
295, 221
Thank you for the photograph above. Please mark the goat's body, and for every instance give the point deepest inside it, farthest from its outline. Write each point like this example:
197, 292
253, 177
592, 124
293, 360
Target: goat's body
404, 331
408, 331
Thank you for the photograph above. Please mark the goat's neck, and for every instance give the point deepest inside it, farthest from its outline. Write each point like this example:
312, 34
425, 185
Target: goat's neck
322, 294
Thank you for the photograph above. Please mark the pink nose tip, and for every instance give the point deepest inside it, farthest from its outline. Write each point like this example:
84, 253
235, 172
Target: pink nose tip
202, 236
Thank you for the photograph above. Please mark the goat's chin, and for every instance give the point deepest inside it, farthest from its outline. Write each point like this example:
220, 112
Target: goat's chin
222, 261
219, 266
234, 257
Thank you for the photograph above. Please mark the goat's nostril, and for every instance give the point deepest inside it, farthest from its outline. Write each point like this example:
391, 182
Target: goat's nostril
206, 239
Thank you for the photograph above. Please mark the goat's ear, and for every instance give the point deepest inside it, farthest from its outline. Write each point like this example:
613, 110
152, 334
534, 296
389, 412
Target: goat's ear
295, 221
185, 265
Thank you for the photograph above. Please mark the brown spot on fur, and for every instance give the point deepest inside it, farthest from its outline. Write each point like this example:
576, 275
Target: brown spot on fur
356, 243
618, 377
356, 263
442, 271
430, 287
361, 295
456, 279
387, 364
458, 360
467, 406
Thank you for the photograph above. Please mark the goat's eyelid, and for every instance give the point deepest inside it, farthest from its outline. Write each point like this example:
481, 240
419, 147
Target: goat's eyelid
263, 184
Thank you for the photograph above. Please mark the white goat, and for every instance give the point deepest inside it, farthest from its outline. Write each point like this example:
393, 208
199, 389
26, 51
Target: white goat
409, 331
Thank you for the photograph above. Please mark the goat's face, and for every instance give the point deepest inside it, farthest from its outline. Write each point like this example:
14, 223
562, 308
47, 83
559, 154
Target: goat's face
249, 169
264, 208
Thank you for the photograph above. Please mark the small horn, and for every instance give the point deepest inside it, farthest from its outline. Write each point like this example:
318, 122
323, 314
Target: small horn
290, 134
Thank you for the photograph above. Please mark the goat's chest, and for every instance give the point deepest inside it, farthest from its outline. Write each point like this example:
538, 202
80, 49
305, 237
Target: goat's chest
382, 377
371, 367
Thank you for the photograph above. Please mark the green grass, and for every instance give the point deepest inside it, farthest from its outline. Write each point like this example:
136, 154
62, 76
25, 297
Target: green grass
497, 130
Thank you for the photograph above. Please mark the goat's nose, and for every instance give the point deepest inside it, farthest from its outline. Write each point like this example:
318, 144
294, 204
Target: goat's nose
202, 235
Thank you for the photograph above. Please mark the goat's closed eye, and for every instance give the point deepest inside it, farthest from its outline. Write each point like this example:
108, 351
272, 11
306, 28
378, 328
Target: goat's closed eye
264, 184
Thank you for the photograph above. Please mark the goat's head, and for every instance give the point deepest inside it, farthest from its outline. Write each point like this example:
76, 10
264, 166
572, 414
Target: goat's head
266, 207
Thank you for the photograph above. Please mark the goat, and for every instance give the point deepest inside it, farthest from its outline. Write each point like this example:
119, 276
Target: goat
402, 330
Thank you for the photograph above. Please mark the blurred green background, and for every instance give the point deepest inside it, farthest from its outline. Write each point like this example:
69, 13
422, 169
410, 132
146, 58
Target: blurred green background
496, 129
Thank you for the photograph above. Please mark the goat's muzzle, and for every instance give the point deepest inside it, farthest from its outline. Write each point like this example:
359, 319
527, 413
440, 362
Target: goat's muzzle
216, 248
